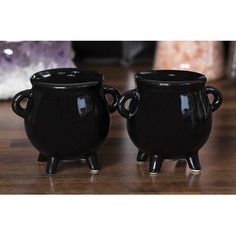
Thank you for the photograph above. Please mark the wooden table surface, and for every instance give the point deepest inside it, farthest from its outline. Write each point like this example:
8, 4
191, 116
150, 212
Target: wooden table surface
20, 173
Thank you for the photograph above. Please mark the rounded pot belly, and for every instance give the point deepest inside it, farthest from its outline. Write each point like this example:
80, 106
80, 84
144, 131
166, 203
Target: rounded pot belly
167, 135
68, 139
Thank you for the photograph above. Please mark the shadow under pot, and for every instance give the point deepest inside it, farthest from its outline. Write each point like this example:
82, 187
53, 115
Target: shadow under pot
67, 115
169, 116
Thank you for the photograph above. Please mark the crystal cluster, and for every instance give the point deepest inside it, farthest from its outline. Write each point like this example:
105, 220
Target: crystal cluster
205, 57
19, 60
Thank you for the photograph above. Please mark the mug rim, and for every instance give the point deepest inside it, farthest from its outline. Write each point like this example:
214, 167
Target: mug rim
66, 78
171, 77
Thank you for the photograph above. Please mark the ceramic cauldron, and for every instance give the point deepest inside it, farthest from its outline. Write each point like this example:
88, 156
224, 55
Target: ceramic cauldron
67, 114
169, 116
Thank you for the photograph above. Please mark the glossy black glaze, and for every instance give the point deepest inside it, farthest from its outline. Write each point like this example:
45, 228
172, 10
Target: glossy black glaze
155, 164
169, 115
52, 163
142, 157
92, 162
67, 114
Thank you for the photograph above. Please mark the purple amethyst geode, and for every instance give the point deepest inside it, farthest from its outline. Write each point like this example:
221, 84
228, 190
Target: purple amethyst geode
19, 60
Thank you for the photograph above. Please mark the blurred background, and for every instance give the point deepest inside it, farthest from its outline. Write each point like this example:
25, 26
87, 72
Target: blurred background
19, 60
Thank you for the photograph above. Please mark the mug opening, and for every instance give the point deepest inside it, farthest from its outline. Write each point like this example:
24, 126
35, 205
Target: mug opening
168, 77
66, 77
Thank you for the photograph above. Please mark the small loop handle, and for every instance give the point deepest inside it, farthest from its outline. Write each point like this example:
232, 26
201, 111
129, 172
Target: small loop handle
217, 101
108, 89
16, 107
131, 94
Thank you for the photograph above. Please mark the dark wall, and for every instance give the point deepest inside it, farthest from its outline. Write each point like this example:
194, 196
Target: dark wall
123, 52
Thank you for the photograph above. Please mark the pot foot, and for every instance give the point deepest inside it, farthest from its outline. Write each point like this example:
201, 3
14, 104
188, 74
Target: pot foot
52, 165
153, 173
94, 172
83, 159
92, 162
194, 163
141, 157
155, 164
42, 157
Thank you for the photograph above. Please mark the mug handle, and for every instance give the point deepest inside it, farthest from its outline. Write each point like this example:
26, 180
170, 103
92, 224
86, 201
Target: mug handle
108, 89
217, 101
131, 94
16, 107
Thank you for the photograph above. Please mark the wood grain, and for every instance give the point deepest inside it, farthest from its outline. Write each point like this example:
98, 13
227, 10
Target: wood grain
20, 173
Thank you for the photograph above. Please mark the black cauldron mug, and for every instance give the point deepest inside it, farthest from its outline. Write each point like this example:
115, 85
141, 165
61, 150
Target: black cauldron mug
67, 115
169, 116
